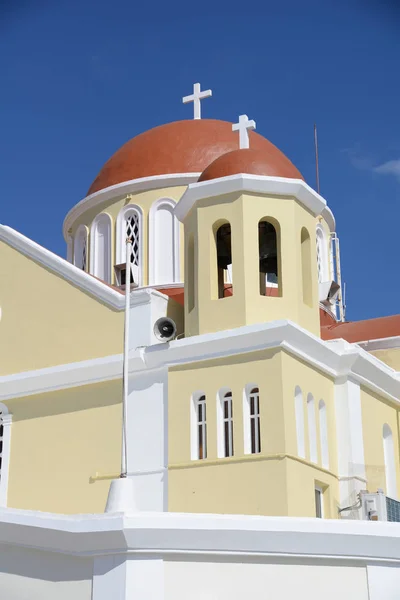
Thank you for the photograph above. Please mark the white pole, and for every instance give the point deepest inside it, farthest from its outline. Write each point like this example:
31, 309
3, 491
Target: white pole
125, 374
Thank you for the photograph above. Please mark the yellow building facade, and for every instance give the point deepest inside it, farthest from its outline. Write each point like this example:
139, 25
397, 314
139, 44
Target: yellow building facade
265, 403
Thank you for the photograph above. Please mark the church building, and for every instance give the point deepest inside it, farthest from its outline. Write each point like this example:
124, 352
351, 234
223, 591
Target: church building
264, 402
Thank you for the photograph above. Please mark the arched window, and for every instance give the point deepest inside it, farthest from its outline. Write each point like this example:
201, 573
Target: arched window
306, 267
251, 419
299, 411
164, 243
222, 235
268, 255
100, 247
225, 423
130, 224
312, 428
81, 247
190, 274
323, 433
390, 462
5, 442
199, 427
322, 255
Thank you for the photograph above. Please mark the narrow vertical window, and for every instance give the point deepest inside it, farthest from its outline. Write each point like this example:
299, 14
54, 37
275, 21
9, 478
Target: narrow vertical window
268, 255
100, 247
319, 502
254, 404
190, 274
323, 433
129, 225
299, 412
312, 428
80, 248
201, 428
227, 419
390, 462
306, 276
5, 439
322, 255
224, 259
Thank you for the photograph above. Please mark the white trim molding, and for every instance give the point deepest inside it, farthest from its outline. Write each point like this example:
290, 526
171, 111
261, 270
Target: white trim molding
336, 358
277, 186
81, 243
96, 288
100, 258
133, 186
153, 237
5, 421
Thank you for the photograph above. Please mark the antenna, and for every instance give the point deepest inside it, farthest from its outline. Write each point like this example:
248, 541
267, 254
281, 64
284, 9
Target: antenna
316, 156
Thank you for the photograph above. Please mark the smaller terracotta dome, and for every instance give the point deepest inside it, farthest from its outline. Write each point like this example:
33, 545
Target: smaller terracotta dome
252, 162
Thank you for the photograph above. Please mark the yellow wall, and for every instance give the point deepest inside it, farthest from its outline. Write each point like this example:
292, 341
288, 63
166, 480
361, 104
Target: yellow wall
266, 483
47, 321
142, 199
375, 413
58, 442
391, 357
247, 306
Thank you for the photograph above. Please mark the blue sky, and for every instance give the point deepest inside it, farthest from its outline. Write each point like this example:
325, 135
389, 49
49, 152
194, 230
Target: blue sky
79, 78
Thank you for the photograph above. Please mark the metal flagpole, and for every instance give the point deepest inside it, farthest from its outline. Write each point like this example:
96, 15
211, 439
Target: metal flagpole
125, 373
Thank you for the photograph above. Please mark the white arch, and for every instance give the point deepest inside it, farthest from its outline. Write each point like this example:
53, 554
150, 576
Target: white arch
323, 434
81, 247
299, 412
322, 254
390, 462
130, 210
312, 428
100, 247
5, 438
164, 255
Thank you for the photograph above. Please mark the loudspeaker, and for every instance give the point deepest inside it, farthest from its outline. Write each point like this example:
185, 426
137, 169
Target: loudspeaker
165, 329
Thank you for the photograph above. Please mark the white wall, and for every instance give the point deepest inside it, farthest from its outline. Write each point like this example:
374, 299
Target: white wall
32, 575
236, 580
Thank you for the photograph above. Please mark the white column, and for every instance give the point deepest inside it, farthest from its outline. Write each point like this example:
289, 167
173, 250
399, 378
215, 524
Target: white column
350, 444
128, 577
5, 420
69, 249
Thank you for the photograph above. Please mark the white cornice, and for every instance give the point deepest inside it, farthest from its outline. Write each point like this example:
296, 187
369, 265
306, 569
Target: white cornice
389, 343
71, 273
171, 534
327, 214
336, 358
126, 187
257, 184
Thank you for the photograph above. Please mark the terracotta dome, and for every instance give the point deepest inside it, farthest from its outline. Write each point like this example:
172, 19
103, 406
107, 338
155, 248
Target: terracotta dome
253, 161
181, 147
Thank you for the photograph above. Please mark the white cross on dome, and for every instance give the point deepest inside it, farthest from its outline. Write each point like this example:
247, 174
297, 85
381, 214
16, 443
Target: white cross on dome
243, 127
196, 98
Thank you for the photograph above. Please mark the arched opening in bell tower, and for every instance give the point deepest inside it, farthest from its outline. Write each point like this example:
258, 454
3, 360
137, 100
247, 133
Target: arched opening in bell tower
224, 259
268, 257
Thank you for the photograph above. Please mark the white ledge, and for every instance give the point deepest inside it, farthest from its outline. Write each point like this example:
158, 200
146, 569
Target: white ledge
258, 184
200, 534
84, 281
132, 186
336, 358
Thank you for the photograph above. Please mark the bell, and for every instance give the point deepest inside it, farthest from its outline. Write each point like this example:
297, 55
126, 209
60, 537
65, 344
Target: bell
224, 252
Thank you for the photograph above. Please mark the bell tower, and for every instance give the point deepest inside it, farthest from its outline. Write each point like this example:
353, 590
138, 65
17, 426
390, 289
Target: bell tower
250, 246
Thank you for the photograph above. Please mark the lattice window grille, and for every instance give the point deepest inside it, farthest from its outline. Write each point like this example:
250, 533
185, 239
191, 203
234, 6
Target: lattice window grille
319, 258
132, 232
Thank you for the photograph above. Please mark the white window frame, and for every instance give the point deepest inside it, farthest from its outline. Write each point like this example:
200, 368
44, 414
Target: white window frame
318, 489
299, 416
6, 421
197, 399
153, 239
94, 252
312, 429
323, 434
120, 239
248, 418
81, 240
390, 461
225, 424
322, 254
